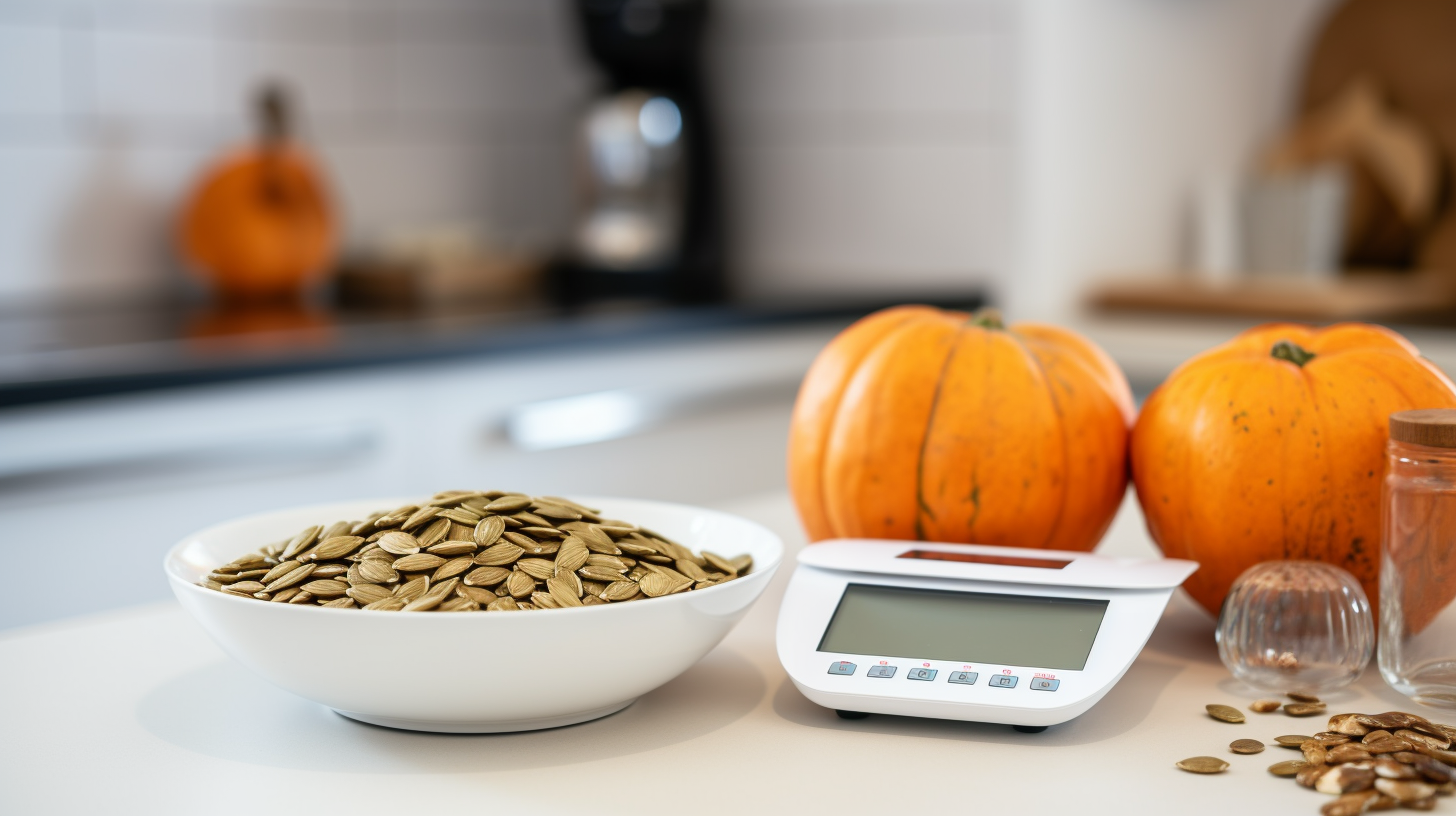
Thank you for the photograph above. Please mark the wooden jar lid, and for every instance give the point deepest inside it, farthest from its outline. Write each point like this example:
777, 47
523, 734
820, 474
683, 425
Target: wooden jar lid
1433, 427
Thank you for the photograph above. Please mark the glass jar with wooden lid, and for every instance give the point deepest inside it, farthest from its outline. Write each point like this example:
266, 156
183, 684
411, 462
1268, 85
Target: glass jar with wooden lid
1417, 643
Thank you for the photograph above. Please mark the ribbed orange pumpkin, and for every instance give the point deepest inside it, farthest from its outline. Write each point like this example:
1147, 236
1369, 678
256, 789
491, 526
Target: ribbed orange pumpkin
917, 423
259, 225
1272, 446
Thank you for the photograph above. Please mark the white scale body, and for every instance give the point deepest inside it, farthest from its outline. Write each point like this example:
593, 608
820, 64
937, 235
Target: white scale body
962, 681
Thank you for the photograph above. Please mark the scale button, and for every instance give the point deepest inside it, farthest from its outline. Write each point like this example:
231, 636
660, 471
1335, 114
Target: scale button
841, 667
1043, 684
964, 678
1002, 680
883, 671
921, 674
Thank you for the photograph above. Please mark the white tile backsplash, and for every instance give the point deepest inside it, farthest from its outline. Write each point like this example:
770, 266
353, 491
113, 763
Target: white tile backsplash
320, 74
951, 71
145, 75
870, 143
32, 70
423, 111
850, 129
870, 219
776, 75
89, 220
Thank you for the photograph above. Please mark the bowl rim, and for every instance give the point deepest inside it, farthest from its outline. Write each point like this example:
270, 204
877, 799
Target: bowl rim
178, 581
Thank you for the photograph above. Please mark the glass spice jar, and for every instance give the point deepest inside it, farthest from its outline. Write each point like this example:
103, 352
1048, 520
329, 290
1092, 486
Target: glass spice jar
1299, 626
1417, 652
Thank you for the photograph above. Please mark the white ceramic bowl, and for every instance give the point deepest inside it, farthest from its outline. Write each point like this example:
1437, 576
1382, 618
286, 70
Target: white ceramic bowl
474, 672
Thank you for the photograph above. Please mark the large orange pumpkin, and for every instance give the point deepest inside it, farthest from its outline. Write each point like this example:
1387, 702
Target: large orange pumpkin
1272, 446
917, 423
259, 225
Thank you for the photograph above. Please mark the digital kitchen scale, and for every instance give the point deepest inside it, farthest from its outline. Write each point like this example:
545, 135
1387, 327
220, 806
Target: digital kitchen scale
1029, 638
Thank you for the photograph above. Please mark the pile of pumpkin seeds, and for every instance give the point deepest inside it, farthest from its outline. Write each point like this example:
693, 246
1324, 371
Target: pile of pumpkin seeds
466, 551
1369, 762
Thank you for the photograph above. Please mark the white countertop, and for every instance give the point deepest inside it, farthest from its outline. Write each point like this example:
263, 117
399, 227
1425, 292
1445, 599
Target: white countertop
137, 711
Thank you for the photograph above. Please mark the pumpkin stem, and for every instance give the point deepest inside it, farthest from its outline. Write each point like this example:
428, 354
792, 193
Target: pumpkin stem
988, 318
274, 119
1289, 352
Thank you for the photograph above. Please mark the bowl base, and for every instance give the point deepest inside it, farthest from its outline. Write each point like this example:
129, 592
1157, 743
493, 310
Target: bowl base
495, 727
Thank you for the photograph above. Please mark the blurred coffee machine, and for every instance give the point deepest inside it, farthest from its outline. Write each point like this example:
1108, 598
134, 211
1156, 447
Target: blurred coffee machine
647, 224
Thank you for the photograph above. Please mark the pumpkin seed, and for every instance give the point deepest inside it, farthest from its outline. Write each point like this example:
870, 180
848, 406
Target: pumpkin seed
520, 584
437, 531
486, 576
509, 504
461, 515
1203, 765
418, 562
489, 530
621, 591
555, 511
482, 597
538, 568
1288, 767
1409, 736
1363, 774
1227, 714
301, 542
1391, 769
1344, 779
603, 574
377, 571
499, 555
412, 589
1350, 804
1260, 706
1314, 752
291, 578
563, 592
328, 588
1246, 746
366, 594
451, 568
399, 543
336, 547
278, 571
573, 555
1303, 709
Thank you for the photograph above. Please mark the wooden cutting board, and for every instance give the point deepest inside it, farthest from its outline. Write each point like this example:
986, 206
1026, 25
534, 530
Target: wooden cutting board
1407, 48
1373, 297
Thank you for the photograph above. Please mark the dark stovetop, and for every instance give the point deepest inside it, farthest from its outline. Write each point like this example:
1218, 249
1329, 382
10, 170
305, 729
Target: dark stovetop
68, 353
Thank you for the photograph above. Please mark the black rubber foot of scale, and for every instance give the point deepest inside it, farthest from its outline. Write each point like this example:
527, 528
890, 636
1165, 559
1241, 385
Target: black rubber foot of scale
1030, 729
850, 715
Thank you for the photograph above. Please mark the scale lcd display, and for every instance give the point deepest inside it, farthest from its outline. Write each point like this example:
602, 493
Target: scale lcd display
964, 627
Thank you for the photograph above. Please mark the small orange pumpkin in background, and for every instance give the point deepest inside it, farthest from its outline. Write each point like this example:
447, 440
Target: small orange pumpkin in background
259, 225
1272, 446
917, 423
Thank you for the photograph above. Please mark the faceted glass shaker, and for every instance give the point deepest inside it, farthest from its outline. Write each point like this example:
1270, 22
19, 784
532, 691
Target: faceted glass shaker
1296, 626
1417, 653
